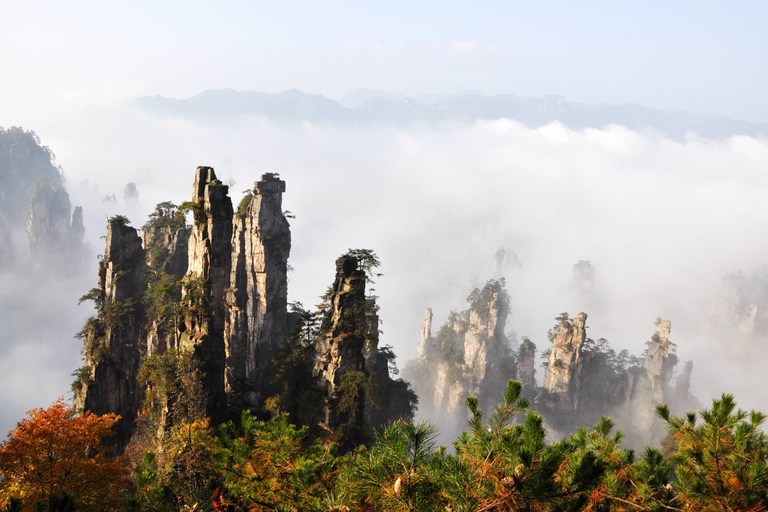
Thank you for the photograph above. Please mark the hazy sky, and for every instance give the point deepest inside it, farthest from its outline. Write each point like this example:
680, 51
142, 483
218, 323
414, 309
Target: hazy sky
702, 56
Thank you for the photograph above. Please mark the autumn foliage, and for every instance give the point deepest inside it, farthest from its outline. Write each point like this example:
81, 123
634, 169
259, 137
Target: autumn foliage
55, 452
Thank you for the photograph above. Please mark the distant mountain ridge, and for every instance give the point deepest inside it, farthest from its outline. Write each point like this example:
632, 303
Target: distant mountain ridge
365, 107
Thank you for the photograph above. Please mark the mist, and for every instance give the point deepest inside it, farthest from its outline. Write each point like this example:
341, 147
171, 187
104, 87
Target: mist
662, 220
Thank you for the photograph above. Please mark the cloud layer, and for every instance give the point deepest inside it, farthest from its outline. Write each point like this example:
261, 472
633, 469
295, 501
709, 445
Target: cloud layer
661, 221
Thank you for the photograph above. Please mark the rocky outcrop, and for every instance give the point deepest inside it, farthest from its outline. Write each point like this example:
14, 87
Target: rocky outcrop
24, 162
563, 374
257, 298
342, 339
206, 283
526, 366
487, 320
740, 305
48, 225
469, 355
426, 335
217, 289
7, 253
112, 351
76, 230
651, 385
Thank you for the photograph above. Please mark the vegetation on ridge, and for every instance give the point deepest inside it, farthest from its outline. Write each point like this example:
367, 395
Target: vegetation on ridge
52, 461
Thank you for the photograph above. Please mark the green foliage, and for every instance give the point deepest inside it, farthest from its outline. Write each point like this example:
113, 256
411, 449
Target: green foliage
82, 377
116, 315
352, 390
197, 209
720, 464
166, 214
367, 261
196, 292
162, 303
120, 220
300, 396
172, 447
96, 296
173, 386
561, 321
242, 208
272, 466
398, 472
480, 299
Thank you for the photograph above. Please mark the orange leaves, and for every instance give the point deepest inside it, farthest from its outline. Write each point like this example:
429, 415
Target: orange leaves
54, 451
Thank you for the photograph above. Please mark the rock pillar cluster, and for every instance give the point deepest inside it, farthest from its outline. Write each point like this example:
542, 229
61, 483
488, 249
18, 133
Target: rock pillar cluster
231, 312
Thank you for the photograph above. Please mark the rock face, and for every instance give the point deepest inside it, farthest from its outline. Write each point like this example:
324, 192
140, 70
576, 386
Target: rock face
526, 366
167, 248
256, 301
563, 374
651, 386
426, 334
225, 288
470, 355
7, 253
210, 261
33, 199
347, 347
343, 335
48, 225
487, 319
740, 305
112, 349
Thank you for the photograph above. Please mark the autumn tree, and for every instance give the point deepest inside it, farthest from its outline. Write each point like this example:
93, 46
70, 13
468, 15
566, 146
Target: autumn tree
55, 453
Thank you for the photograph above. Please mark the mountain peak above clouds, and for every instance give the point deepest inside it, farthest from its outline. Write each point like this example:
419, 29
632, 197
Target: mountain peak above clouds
365, 107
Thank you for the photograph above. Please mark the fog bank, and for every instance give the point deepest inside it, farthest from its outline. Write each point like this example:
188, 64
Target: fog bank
661, 220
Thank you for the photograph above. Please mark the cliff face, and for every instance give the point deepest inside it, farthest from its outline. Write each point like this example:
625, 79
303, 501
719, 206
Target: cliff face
526, 366
112, 339
256, 301
426, 334
651, 386
204, 287
487, 320
210, 289
740, 304
52, 235
33, 199
342, 339
354, 372
167, 248
563, 375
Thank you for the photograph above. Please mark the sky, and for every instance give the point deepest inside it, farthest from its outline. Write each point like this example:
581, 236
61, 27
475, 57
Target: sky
706, 57
661, 219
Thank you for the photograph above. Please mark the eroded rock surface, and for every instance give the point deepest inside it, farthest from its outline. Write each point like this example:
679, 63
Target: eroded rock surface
112, 339
257, 318
563, 374
343, 335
